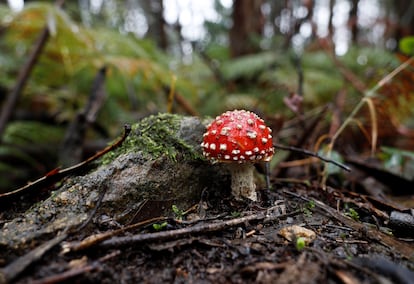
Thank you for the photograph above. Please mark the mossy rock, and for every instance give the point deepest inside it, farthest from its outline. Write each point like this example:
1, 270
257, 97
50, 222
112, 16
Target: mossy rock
159, 165
168, 135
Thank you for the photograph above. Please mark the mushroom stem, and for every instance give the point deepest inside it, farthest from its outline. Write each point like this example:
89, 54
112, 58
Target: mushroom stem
242, 181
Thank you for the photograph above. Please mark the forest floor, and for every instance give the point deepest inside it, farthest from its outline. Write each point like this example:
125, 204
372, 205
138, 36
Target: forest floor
343, 239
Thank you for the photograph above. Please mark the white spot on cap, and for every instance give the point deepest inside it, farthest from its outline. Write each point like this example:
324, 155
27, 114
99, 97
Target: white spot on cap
235, 158
269, 136
264, 140
213, 146
252, 157
256, 149
239, 126
250, 121
206, 145
251, 134
248, 153
223, 147
219, 122
225, 131
226, 157
262, 126
242, 157
235, 152
214, 131
206, 134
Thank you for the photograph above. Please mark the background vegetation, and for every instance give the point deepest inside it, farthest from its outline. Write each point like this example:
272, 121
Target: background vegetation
303, 65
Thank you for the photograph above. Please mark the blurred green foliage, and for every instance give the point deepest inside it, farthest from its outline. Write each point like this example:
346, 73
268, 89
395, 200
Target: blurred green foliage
407, 45
139, 73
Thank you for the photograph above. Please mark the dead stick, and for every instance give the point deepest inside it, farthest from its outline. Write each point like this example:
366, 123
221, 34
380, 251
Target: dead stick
76, 271
98, 238
57, 174
313, 154
266, 216
24, 75
14, 269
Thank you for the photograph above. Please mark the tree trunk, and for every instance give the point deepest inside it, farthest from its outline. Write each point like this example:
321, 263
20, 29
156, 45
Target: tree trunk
247, 27
330, 21
405, 14
353, 21
156, 24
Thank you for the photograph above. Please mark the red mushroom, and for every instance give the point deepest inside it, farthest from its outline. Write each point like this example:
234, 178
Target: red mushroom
239, 138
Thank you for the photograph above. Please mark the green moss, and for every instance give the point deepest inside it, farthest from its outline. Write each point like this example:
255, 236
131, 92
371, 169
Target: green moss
155, 136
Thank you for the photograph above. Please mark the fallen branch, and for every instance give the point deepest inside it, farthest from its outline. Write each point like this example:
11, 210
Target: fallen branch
103, 240
98, 238
266, 216
14, 269
76, 271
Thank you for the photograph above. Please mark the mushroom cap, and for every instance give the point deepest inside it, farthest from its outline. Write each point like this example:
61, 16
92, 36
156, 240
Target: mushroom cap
238, 136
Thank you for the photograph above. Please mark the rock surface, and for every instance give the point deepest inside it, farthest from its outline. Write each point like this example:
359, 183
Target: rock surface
159, 164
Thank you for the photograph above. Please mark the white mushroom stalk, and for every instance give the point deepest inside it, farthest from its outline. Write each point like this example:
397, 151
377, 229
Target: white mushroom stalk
242, 181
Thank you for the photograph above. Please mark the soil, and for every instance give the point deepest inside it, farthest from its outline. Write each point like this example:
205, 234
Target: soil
204, 246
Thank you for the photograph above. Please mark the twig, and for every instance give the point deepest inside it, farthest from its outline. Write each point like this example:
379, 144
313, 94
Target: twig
298, 64
171, 93
14, 269
180, 100
185, 105
24, 74
76, 271
214, 68
346, 73
70, 151
304, 136
98, 238
266, 216
57, 174
313, 154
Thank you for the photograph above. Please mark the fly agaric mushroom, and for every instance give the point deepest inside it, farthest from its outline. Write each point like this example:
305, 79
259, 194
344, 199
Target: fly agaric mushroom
239, 138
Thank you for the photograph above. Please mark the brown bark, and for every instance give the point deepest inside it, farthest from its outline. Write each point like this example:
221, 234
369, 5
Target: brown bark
405, 16
330, 22
247, 27
353, 20
154, 13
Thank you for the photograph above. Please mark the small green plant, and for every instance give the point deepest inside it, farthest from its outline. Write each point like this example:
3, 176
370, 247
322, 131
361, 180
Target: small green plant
177, 212
353, 214
308, 207
235, 214
300, 243
310, 204
159, 226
